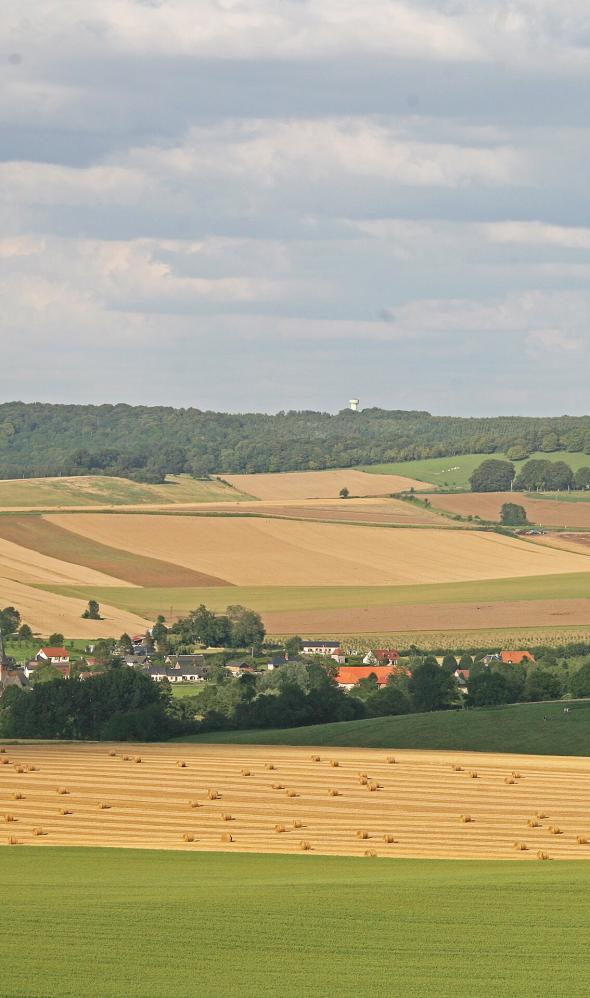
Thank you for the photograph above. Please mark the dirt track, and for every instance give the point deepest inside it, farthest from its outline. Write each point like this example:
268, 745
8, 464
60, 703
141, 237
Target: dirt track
419, 801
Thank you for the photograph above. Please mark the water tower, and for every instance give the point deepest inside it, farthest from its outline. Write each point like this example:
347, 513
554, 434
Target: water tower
354, 404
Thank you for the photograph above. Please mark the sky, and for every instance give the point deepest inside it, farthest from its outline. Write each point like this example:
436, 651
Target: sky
258, 205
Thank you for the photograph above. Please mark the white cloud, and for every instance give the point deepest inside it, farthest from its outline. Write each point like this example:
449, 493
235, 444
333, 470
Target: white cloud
539, 234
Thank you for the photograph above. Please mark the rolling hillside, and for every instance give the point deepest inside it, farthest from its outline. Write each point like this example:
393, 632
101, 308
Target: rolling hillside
520, 728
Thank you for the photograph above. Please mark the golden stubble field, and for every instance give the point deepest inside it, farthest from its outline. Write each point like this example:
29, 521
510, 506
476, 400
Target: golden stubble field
287, 800
267, 552
321, 484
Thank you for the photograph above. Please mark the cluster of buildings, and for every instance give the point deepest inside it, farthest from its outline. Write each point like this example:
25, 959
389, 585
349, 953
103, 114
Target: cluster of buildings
382, 663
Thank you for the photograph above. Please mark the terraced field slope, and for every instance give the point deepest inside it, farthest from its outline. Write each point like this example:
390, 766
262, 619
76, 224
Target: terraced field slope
252, 799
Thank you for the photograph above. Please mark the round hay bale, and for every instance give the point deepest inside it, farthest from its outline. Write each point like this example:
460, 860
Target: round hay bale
280, 828
297, 823
465, 818
334, 793
188, 837
18, 796
213, 794
226, 837
388, 838
305, 845
581, 840
369, 852
362, 834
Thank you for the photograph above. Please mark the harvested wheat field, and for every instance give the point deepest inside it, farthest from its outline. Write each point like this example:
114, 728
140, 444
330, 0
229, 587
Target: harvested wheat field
87, 491
487, 505
29, 566
321, 484
48, 612
287, 800
258, 552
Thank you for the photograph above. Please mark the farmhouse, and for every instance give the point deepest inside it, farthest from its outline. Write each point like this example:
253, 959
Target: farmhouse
381, 656
350, 675
178, 673
237, 668
321, 648
55, 656
516, 657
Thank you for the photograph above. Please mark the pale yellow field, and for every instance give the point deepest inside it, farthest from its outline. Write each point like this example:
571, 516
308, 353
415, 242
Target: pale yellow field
24, 565
321, 484
47, 613
277, 552
419, 800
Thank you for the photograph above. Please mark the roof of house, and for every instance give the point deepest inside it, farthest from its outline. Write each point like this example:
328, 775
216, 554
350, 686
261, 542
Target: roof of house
174, 660
321, 644
463, 673
54, 652
350, 674
516, 657
386, 653
182, 670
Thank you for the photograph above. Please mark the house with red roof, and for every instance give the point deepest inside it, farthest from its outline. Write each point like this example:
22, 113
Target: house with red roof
516, 657
348, 676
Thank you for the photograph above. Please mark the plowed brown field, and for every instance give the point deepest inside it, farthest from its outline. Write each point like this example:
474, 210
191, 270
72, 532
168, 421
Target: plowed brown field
266, 552
487, 505
419, 800
321, 484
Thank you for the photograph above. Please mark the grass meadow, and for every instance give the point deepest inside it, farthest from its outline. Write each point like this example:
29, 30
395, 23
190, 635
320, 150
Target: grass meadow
518, 728
153, 600
454, 472
109, 923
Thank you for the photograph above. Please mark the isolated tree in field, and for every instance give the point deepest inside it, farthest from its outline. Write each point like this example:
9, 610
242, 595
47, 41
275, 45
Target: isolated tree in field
344, 493
492, 476
513, 515
56, 640
93, 611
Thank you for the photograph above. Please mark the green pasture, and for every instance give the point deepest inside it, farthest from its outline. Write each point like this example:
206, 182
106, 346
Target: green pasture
149, 601
454, 472
531, 728
112, 923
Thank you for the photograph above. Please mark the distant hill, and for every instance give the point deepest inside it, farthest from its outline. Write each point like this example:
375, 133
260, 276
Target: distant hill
146, 443
518, 728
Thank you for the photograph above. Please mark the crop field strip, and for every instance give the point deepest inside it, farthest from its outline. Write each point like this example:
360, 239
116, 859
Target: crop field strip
275, 552
416, 808
321, 484
548, 512
37, 534
95, 490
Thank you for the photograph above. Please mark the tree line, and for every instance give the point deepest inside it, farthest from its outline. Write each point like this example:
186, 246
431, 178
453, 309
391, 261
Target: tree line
536, 475
146, 443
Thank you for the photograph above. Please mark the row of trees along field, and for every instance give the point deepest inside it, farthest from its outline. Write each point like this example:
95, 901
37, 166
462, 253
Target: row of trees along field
146, 443
124, 704
495, 475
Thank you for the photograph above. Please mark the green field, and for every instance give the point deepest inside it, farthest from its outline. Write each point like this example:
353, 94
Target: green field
99, 490
150, 601
517, 728
91, 923
454, 472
